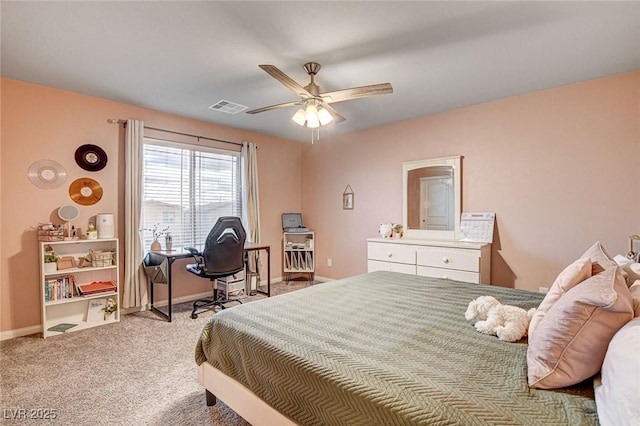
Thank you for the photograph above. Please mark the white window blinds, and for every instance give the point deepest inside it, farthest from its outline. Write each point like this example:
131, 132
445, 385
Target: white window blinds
186, 188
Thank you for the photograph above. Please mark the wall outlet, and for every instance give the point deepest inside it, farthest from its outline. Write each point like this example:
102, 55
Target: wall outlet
543, 290
329, 262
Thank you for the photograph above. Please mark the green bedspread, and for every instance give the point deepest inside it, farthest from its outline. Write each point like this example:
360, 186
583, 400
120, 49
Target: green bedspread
385, 348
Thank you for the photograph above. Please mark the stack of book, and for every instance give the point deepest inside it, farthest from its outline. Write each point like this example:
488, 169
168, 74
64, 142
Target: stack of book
60, 288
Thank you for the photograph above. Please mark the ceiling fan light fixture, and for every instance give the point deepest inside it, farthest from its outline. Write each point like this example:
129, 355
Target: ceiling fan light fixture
316, 110
311, 115
324, 116
313, 122
299, 117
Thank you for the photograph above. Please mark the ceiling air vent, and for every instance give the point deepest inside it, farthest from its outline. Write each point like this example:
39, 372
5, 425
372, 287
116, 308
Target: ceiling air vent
228, 107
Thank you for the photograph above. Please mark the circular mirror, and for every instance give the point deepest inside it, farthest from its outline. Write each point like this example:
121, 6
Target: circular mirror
68, 213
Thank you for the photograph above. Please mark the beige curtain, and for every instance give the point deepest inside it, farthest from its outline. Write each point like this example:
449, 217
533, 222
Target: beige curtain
251, 201
135, 282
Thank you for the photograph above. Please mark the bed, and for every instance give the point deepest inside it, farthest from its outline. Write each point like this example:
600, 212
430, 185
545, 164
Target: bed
379, 348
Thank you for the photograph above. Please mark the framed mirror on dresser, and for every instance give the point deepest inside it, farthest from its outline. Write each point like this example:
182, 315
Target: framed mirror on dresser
432, 198
432, 206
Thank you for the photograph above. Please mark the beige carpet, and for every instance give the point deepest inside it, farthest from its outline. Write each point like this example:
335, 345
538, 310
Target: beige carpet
140, 371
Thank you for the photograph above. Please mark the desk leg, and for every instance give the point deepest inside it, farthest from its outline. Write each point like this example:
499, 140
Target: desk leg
170, 301
153, 308
268, 292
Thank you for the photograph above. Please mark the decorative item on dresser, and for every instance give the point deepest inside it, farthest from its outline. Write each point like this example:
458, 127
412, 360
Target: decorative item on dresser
455, 260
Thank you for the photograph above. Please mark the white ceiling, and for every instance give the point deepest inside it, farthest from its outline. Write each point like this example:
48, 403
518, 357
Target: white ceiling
181, 57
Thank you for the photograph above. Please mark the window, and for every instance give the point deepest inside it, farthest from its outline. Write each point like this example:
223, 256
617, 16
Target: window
169, 216
186, 188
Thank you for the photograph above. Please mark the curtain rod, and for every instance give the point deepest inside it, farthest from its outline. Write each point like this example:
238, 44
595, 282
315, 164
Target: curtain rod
124, 123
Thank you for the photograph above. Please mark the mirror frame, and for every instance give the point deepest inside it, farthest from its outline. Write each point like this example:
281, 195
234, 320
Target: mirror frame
66, 208
456, 163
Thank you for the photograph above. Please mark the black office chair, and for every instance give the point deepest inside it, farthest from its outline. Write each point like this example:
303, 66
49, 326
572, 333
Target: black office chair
223, 256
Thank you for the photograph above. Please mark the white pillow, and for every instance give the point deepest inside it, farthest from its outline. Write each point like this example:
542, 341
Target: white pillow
618, 388
629, 267
635, 297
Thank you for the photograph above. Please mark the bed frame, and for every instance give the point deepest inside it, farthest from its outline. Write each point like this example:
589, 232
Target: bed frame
316, 394
237, 397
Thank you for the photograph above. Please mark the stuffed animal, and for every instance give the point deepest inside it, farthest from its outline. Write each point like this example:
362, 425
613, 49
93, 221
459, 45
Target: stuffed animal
385, 230
509, 323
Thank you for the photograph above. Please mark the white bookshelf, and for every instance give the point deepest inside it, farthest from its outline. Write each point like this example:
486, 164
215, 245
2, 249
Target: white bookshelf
299, 254
67, 307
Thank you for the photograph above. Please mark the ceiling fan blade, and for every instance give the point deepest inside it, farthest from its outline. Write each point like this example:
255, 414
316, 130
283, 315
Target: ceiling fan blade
357, 92
336, 115
270, 107
286, 81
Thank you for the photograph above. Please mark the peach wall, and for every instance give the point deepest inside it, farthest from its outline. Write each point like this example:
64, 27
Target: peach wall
561, 168
558, 167
44, 123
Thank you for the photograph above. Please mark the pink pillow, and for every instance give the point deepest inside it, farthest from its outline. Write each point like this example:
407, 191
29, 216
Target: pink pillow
572, 275
599, 258
570, 342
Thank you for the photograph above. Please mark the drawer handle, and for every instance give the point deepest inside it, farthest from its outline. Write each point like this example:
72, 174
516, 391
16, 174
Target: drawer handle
446, 260
389, 254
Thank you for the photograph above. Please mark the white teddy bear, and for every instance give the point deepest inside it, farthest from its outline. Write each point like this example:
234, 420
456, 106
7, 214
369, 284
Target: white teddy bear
385, 230
509, 323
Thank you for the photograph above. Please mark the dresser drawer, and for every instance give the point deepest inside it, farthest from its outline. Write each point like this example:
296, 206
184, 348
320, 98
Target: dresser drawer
449, 274
398, 253
449, 258
376, 265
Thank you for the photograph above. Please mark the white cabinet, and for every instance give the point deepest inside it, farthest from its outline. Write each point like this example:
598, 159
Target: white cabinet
299, 255
455, 260
62, 305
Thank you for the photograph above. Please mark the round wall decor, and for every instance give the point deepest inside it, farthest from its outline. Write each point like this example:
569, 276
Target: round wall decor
85, 191
68, 213
91, 157
47, 174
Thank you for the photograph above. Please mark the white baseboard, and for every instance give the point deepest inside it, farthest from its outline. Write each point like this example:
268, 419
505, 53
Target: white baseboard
19, 332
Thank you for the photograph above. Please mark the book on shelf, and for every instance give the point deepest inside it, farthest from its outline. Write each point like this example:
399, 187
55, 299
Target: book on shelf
63, 287
96, 287
61, 328
95, 310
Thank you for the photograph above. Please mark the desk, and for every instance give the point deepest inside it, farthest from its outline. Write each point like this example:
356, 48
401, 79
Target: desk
267, 248
173, 255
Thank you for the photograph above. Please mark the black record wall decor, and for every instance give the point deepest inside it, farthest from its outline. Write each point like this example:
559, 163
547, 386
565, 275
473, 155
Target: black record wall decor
91, 157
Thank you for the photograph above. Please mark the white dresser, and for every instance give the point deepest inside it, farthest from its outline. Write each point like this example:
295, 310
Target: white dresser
455, 260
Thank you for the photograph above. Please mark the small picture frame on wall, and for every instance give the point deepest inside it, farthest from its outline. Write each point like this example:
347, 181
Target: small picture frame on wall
347, 198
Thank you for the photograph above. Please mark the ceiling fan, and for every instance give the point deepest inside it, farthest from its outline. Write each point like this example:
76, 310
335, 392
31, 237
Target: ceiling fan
315, 106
